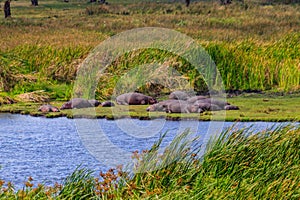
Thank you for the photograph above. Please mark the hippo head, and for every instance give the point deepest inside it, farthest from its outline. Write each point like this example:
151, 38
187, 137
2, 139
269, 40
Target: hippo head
94, 102
195, 109
152, 100
151, 108
54, 109
67, 105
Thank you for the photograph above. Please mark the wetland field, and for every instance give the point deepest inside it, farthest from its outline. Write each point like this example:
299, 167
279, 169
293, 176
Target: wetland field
255, 47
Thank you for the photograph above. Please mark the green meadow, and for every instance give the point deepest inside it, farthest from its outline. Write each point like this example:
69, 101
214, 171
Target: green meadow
42, 47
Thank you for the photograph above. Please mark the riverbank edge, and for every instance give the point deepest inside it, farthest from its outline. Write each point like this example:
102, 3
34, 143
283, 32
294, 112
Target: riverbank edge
252, 108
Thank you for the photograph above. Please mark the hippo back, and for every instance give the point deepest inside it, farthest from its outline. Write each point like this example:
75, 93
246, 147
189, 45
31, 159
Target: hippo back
80, 103
195, 98
179, 95
134, 98
48, 108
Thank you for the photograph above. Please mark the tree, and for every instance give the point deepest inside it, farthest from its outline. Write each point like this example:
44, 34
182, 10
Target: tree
34, 2
187, 2
7, 12
225, 2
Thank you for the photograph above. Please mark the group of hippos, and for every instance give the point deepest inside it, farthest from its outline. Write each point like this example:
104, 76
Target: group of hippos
181, 102
76, 103
178, 102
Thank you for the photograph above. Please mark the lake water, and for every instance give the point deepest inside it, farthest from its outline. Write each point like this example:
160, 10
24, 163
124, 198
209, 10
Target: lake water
50, 149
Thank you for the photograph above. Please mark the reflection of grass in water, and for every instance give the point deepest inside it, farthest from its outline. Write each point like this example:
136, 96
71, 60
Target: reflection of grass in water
237, 164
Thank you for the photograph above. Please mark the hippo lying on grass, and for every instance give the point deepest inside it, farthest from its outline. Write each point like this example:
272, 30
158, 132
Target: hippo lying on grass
182, 107
174, 106
134, 98
205, 106
48, 108
231, 107
179, 95
107, 104
80, 103
211, 104
196, 104
195, 98
161, 106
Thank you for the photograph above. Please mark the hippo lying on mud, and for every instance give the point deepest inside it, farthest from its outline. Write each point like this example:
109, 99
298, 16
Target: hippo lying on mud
48, 108
80, 103
195, 104
134, 98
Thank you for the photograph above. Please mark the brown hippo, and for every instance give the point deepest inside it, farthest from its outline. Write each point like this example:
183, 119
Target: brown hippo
160, 106
134, 98
231, 107
216, 102
207, 106
179, 95
48, 108
94, 102
107, 104
195, 98
182, 107
79, 103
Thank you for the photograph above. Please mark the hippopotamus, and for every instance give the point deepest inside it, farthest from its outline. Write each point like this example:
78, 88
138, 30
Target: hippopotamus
216, 102
182, 107
48, 108
179, 95
94, 102
107, 104
195, 98
207, 106
134, 98
79, 103
160, 106
231, 107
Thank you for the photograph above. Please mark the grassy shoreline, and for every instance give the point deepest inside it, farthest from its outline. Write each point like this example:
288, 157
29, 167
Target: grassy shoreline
253, 107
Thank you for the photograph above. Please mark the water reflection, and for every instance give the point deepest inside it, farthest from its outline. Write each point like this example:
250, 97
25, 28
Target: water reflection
50, 149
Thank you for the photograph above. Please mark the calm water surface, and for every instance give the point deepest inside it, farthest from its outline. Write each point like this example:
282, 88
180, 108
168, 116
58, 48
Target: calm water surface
50, 149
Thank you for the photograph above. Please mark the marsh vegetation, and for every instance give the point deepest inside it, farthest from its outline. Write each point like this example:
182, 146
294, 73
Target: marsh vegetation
255, 46
41, 47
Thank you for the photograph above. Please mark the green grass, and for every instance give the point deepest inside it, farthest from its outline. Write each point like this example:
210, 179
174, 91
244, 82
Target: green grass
253, 107
236, 165
49, 42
